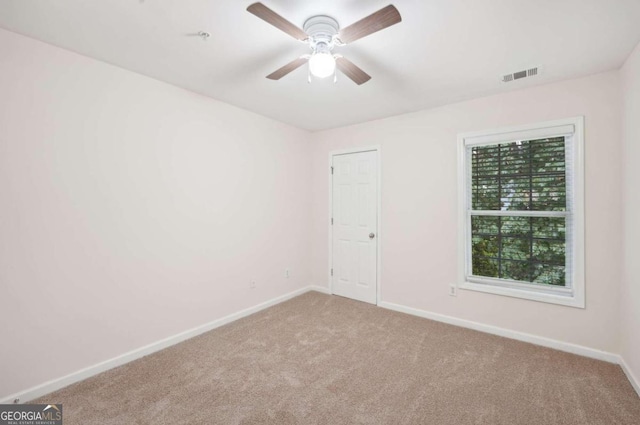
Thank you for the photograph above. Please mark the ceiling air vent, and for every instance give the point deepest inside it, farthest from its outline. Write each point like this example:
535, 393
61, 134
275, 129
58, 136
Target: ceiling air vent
531, 72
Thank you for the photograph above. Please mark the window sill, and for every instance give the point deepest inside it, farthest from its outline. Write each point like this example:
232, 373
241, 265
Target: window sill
566, 300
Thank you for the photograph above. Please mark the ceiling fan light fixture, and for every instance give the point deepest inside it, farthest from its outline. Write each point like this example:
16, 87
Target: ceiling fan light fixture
322, 64
322, 33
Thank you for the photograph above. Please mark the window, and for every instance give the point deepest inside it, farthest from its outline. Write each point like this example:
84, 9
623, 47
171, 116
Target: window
521, 212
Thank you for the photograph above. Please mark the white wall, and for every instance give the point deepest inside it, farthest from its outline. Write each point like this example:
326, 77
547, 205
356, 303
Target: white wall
132, 211
630, 319
419, 217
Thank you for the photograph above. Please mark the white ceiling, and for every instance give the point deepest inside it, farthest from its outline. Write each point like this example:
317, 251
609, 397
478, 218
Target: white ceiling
443, 51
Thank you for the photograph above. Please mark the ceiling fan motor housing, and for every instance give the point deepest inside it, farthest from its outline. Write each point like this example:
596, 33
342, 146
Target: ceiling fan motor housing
322, 31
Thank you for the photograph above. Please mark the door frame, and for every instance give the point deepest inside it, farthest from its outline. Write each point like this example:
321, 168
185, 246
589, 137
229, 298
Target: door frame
333, 153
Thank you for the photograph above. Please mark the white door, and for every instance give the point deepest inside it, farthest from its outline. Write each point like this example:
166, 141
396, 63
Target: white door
355, 225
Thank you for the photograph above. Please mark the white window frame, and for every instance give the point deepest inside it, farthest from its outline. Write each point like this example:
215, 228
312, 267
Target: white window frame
573, 296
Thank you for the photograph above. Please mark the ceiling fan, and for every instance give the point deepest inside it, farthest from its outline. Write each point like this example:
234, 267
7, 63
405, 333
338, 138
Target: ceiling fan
322, 33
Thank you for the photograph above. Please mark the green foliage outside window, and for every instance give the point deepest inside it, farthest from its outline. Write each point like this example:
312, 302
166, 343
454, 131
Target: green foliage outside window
519, 176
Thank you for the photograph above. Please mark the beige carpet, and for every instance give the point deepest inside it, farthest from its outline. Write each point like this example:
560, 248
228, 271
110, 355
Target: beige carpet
319, 359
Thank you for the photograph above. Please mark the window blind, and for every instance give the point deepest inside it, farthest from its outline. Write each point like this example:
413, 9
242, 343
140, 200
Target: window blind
519, 208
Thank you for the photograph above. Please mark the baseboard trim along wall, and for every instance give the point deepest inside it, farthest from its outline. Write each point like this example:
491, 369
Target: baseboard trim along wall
494, 330
635, 382
56, 384
322, 289
520, 336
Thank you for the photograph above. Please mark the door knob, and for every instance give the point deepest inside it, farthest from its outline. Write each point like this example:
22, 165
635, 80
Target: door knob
372, 235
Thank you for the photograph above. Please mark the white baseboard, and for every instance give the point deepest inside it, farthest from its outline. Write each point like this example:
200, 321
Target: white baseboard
322, 289
58, 383
635, 382
521, 336
494, 330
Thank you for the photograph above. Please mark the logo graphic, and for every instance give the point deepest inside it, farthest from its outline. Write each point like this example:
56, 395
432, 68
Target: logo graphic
30, 414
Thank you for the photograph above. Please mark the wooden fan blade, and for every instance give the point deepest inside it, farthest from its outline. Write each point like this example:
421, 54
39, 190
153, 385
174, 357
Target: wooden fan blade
291, 66
271, 17
352, 71
375, 22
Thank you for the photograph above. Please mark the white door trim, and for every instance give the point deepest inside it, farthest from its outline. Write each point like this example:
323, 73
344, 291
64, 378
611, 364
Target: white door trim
375, 148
